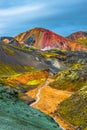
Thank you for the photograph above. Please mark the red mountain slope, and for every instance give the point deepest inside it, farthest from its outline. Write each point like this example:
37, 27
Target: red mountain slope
44, 39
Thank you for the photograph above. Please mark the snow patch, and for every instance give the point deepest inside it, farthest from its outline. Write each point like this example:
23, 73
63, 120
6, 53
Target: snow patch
46, 48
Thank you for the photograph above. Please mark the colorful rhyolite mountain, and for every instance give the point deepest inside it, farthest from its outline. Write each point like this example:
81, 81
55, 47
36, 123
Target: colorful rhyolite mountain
80, 37
26, 70
6, 39
44, 39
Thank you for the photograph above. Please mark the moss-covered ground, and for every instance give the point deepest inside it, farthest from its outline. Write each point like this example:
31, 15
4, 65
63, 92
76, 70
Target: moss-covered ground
74, 109
74, 76
15, 114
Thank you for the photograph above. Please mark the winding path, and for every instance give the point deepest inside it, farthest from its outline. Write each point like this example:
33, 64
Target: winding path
39, 91
38, 97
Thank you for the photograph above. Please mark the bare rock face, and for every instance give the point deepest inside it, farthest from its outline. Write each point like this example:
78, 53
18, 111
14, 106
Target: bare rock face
15, 114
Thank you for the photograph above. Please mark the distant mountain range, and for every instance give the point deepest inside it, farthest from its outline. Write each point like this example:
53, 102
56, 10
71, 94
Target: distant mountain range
45, 40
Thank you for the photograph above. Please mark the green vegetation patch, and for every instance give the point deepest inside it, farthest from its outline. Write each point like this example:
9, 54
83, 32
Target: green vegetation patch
48, 55
7, 50
6, 70
24, 48
54, 53
84, 41
36, 82
72, 78
74, 109
15, 114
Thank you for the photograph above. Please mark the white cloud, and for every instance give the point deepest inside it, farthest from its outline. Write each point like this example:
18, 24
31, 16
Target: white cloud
17, 16
19, 10
14, 16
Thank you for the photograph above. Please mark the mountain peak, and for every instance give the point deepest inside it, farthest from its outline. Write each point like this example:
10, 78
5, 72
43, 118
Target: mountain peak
43, 38
78, 35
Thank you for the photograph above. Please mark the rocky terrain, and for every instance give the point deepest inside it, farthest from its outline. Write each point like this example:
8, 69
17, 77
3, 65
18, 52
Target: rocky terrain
48, 72
22, 76
74, 76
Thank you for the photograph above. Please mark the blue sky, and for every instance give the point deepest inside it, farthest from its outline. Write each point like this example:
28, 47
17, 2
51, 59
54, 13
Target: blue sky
60, 16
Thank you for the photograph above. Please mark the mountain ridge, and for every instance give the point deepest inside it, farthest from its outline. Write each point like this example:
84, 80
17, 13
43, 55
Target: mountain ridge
78, 35
45, 39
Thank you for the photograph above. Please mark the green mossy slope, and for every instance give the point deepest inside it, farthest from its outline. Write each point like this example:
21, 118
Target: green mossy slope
72, 79
74, 76
74, 109
16, 115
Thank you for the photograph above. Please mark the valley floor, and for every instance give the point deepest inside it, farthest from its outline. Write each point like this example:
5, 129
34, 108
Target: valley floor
49, 100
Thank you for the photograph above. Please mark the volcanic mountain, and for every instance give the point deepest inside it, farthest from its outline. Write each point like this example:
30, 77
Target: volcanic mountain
26, 69
6, 39
80, 37
45, 39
